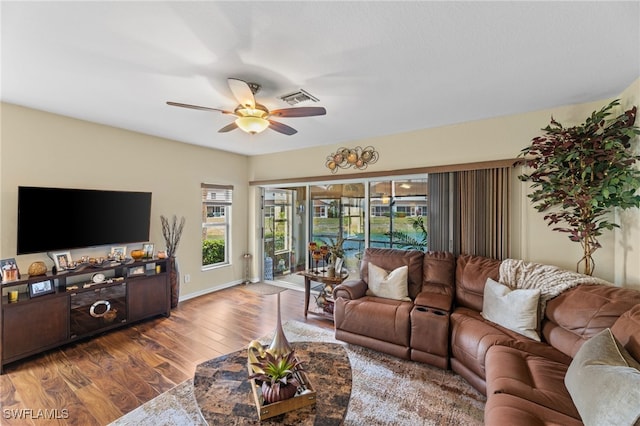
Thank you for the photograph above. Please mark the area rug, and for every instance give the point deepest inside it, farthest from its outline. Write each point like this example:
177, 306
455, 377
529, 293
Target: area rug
385, 391
264, 289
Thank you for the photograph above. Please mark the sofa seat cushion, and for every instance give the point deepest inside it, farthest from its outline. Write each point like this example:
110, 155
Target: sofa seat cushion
531, 377
375, 317
505, 409
472, 336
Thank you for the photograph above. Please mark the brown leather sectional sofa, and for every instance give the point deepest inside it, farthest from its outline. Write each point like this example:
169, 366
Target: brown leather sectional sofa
442, 325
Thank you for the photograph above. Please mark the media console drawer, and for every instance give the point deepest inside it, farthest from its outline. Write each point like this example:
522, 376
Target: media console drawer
101, 308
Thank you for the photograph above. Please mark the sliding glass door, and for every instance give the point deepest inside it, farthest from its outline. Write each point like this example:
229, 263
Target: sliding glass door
284, 232
338, 210
374, 213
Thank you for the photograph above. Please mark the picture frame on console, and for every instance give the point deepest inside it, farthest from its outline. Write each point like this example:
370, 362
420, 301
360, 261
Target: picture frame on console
119, 252
9, 268
62, 260
41, 288
148, 248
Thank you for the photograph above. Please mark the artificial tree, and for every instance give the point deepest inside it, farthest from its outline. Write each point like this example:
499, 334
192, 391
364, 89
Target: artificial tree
581, 173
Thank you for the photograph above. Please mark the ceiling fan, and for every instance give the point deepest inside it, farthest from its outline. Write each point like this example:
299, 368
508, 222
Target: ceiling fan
253, 117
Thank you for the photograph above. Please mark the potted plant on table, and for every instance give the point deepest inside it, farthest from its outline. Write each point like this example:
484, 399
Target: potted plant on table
335, 252
278, 376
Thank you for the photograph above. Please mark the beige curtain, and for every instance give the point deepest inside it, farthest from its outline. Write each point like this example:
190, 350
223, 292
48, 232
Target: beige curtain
481, 224
439, 237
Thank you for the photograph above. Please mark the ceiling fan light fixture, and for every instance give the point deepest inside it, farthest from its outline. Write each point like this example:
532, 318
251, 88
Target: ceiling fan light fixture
252, 125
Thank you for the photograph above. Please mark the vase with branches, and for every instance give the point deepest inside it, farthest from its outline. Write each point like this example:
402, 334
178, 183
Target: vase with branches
579, 174
172, 232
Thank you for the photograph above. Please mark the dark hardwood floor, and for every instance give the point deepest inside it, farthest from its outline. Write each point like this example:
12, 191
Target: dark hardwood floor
96, 381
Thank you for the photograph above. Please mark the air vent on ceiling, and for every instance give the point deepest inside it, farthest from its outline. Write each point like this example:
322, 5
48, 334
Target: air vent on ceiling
298, 96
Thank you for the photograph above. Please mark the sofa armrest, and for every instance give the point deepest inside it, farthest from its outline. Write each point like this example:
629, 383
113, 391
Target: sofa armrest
350, 289
437, 300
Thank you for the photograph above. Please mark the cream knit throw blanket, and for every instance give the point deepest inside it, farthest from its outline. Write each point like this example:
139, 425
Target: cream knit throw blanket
551, 280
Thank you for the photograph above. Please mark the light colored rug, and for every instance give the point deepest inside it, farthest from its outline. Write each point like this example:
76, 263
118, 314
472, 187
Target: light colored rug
385, 391
264, 289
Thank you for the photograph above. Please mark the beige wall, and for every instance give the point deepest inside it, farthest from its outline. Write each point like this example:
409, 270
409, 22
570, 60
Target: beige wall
38, 148
42, 149
492, 139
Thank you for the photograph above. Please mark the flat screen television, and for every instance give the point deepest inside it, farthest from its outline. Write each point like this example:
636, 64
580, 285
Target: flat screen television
52, 219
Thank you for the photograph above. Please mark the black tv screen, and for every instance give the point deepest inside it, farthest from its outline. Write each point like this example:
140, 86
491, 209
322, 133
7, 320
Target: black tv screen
51, 219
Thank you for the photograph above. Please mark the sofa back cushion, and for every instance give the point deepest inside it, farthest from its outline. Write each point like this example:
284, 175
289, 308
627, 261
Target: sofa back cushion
471, 275
626, 330
390, 259
438, 282
580, 313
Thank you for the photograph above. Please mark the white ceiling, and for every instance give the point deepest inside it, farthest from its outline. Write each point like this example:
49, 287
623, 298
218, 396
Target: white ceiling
378, 68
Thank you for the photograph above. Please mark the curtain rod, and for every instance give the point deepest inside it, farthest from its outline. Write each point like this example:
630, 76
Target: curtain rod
509, 162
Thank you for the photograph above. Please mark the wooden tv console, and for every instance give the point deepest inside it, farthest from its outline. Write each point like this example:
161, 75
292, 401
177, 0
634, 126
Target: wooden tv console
55, 309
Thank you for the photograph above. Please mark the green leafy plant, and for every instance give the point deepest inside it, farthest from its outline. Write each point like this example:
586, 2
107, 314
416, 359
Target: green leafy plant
581, 173
335, 247
212, 252
407, 241
277, 374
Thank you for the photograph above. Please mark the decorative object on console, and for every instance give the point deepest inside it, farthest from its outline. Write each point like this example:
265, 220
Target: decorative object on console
62, 260
98, 278
172, 231
41, 288
358, 158
10, 271
118, 253
137, 254
580, 173
147, 249
136, 270
37, 268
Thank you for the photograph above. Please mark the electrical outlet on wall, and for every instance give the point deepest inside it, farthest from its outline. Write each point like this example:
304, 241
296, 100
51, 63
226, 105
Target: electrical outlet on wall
187, 278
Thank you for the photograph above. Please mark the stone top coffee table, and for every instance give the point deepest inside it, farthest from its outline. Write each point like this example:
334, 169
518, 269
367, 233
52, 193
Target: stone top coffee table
223, 391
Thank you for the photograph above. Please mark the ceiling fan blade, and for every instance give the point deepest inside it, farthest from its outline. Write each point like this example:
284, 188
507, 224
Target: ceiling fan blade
282, 128
242, 92
229, 127
177, 104
299, 112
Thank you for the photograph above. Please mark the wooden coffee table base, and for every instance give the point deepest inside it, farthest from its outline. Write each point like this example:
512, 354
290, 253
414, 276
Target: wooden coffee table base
223, 391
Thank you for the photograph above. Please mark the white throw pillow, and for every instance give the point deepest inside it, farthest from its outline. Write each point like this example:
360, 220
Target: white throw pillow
604, 382
516, 310
390, 285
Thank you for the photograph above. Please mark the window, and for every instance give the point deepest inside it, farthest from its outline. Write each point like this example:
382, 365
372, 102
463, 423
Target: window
319, 211
216, 224
398, 214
